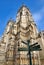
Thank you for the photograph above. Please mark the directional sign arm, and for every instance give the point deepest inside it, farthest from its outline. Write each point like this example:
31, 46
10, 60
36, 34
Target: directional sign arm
30, 45
38, 46
22, 49
24, 42
35, 44
35, 48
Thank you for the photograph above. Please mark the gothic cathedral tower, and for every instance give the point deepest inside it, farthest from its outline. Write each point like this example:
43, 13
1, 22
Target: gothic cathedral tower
22, 30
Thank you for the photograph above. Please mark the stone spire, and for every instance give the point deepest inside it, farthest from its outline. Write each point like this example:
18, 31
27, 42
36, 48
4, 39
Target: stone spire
26, 22
24, 11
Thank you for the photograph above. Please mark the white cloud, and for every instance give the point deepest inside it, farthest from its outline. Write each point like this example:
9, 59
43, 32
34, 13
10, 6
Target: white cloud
38, 15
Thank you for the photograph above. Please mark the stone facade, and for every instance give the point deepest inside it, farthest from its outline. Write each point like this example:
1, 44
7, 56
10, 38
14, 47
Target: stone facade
22, 30
41, 41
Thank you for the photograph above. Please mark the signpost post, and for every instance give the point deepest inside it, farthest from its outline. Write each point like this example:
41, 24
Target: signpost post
33, 47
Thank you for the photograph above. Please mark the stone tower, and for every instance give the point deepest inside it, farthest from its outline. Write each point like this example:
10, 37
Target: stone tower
28, 31
22, 30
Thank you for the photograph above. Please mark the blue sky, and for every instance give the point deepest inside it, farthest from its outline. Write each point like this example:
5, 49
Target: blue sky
9, 8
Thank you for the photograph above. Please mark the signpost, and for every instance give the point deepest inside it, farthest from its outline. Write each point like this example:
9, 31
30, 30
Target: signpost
33, 47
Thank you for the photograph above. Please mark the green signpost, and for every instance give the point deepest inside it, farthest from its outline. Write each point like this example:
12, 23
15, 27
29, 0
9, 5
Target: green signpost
33, 47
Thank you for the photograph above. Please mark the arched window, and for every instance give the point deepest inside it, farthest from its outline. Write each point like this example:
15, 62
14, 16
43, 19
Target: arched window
27, 14
31, 27
20, 13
